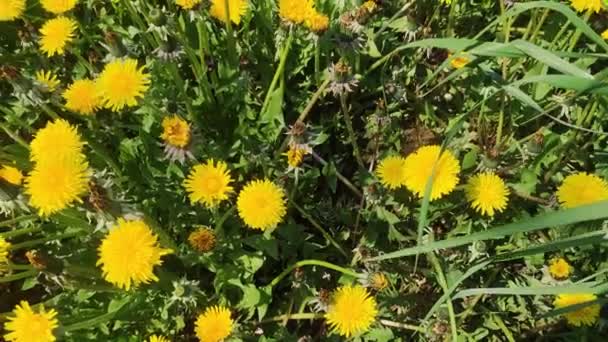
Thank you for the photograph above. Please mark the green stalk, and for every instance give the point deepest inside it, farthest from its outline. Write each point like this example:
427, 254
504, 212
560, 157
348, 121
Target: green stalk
17, 220
340, 176
451, 17
14, 136
351, 131
317, 61
19, 232
279, 71
182, 89
313, 262
203, 50
444, 286
296, 316
18, 276
325, 234
400, 325
232, 52
31, 243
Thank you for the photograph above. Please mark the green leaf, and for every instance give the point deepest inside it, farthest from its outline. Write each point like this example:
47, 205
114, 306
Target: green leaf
551, 219
550, 59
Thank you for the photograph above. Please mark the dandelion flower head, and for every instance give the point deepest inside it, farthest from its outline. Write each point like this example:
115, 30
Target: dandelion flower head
128, 254
352, 311
209, 183
487, 193
56, 34
213, 325
58, 6
580, 189
187, 4
155, 338
296, 11
54, 185
11, 9
391, 172
585, 316
121, 83
55, 141
4, 247
176, 131
605, 34
47, 79
82, 97
317, 22
261, 204
237, 9
587, 5
559, 268
26, 325
419, 168
11, 175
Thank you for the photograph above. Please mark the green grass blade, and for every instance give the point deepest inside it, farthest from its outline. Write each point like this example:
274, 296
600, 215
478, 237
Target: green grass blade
550, 59
555, 218
529, 291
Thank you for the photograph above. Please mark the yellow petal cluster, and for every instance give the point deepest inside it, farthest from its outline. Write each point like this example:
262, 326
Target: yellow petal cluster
128, 254
582, 188
11, 175
391, 171
58, 6
4, 247
122, 83
55, 34
27, 325
214, 325
237, 9
187, 4
209, 183
587, 5
261, 204
585, 316
352, 311
47, 79
487, 193
82, 97
419, 168
559, 268
176, 131
11, 9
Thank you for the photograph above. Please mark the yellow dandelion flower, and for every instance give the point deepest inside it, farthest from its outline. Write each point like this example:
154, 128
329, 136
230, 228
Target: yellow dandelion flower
605, 34
419, 167
378, 281
317, 22
155, 338
121, 82
82, 97
209, 183
214, 325
47, 79
4, 247
296, 11
295, 156
56, 34
460, 62
202, 239
11, 174
581, 317
587, 5
56, 140
261, 204
187, 4
391, 172
237, 9
128, 254
580, 189
58, 6
176, 131
28, 326
11, 9
352, 311
487, 193
560, 268
370, 6
54, 185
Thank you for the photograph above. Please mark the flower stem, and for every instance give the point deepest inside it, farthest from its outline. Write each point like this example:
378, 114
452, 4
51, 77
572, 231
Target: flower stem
232, 52
313, 262
14, 136
400, 325
340, 176
305, 315
18, 232
319, 228
17, 220
351, 131
279, 71
18, 276
32, 243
